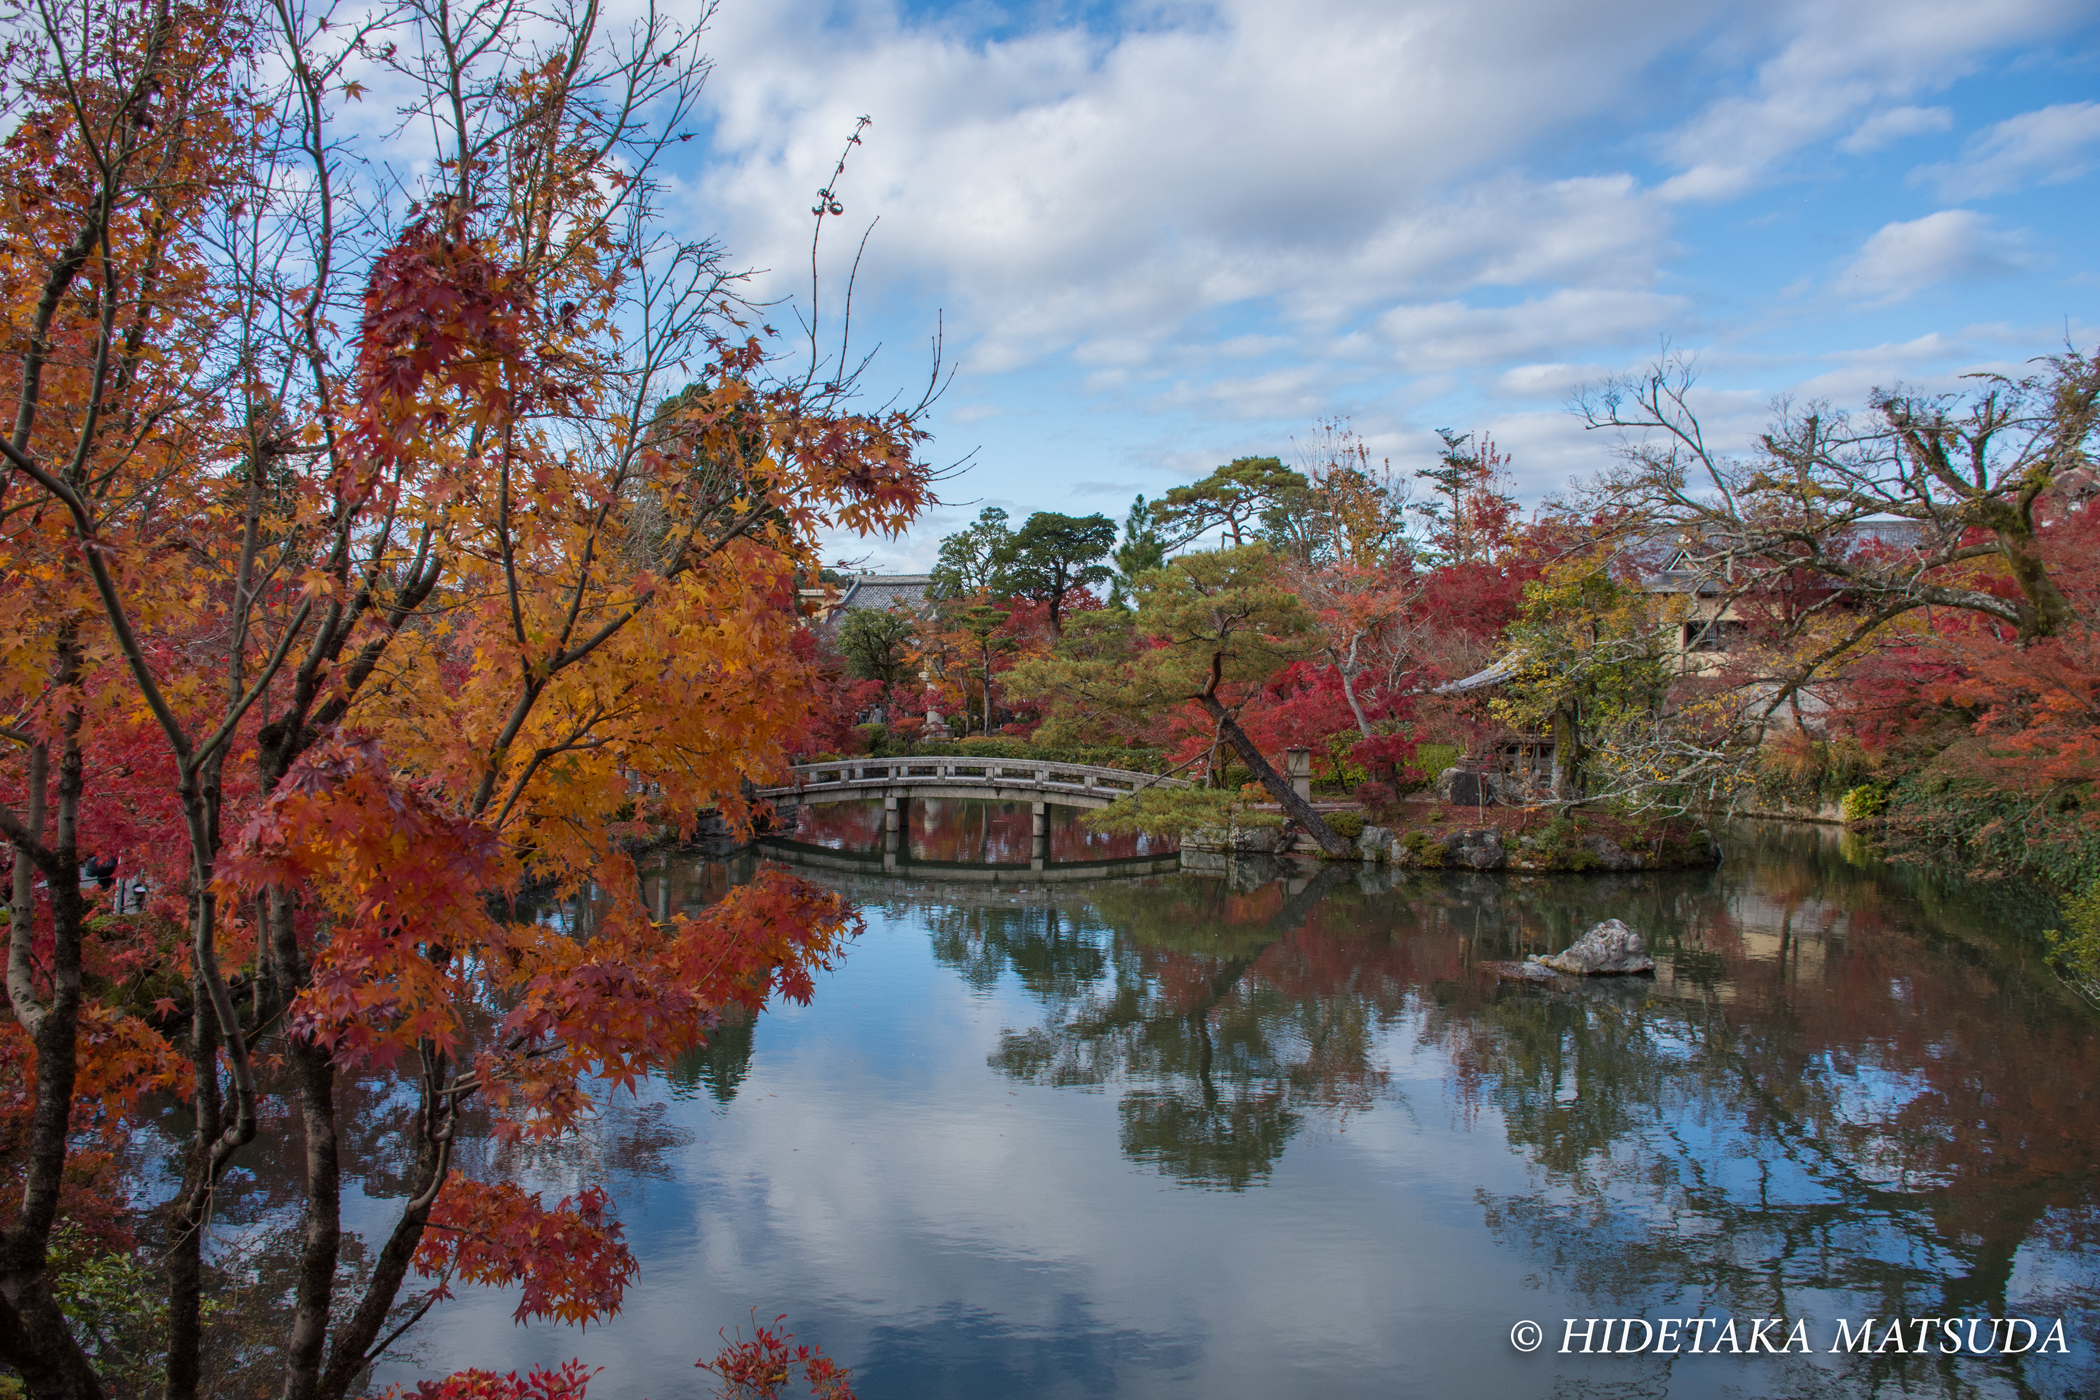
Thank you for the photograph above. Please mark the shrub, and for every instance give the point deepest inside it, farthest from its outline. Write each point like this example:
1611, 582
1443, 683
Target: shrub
2076, 949
1429, 760
1425, 850
1863, 803
1347, 825
1135, 759
1949, 814
1162, 811
1797, 767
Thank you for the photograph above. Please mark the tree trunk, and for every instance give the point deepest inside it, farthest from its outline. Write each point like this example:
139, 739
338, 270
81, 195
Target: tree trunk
359, 1338
186, 1250
314, 1073
2049, 612
215, 1028
1568, 781
1299, 810
1347, 672
35, 1337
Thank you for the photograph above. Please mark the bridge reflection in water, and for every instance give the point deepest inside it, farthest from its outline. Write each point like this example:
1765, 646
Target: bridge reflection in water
965, 839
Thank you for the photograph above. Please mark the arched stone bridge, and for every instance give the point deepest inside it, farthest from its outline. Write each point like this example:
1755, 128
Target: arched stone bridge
987, 779
898, 780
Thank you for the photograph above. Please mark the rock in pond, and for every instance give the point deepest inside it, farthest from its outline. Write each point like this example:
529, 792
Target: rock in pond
1609, 950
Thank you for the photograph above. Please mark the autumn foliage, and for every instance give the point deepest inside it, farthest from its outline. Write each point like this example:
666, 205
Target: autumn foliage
384, 529
764, 1366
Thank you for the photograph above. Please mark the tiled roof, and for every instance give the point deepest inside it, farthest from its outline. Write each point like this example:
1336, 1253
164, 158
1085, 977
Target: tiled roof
882, 591
1493, 674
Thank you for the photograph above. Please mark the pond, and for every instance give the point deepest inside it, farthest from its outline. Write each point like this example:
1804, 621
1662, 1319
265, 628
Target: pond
1271, 1132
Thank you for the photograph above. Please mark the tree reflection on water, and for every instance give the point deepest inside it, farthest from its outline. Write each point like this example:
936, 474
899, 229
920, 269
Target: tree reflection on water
1849, 1091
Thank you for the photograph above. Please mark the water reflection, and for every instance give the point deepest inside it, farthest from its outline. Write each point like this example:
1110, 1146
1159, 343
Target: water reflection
1218, 1066
956, 831
1266, 1131
1846, 1093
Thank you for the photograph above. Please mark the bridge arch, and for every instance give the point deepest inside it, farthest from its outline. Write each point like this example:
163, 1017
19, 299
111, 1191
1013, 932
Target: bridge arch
987, 779
898, 780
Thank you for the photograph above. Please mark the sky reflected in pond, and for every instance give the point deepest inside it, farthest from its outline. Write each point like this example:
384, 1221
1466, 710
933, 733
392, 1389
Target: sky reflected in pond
1267, 1134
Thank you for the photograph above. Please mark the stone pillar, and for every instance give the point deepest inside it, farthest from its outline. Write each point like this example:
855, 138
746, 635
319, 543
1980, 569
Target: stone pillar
894, 811
1297, 766
1039, 846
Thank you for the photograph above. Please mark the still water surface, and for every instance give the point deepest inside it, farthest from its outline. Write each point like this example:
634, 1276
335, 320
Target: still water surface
1267, 1134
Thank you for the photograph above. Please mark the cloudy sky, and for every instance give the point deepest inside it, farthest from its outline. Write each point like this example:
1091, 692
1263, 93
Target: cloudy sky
1159, 236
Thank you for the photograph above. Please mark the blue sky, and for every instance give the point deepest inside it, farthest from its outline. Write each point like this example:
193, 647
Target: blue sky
1162, 236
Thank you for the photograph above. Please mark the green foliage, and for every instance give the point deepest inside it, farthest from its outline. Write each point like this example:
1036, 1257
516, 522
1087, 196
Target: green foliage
1136, 760
1347, 825
973, 560
1053, 554
1430, 760
1233, 497
1223, 615
876, 644
118, 1306
2075, 949
1591, 671
1141, 551
1425, 849
1164, 811
1558, 845
1863, 802
1957, 817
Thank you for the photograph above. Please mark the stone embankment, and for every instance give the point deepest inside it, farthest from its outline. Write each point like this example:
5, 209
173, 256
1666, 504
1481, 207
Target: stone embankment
1560, 845
1568, 847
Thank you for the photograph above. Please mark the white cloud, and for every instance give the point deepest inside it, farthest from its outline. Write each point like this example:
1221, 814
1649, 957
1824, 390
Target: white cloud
1153, 228
1067, 189
1930, 363
1893, 125
1903, 258
1451, 334
1547, 381
1298, 392
1832, 62
2047, 147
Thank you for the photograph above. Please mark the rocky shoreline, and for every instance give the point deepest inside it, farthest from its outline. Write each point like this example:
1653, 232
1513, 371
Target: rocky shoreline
1558, 846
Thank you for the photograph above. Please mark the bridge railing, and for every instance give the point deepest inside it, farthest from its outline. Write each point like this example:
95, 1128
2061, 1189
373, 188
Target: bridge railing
968, 772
